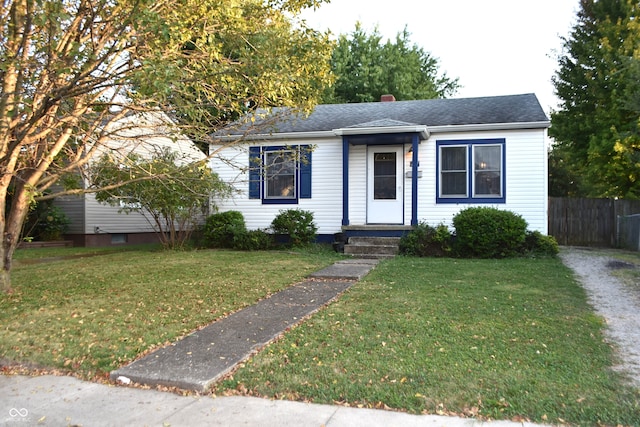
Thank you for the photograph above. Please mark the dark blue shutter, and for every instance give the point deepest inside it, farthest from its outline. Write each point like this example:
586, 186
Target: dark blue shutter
255, 163
305, 172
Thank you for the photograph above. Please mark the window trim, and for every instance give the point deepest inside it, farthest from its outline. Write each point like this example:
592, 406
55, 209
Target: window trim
258, 180
466, 171
470, 196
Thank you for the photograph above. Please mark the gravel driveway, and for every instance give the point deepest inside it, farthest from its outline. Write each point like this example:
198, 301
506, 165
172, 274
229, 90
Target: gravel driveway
616, 300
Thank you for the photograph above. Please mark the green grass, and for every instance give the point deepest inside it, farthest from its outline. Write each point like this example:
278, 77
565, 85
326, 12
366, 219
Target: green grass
507, 339
92, 314
499, 339
28, 255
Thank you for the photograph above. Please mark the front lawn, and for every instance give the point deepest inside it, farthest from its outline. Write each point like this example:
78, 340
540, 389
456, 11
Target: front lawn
507, 339
97, 309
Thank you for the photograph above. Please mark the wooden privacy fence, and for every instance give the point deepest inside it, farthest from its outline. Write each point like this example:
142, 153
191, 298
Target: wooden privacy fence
629, 232
588, 222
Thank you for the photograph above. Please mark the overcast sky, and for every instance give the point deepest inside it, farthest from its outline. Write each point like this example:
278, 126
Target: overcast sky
494, 47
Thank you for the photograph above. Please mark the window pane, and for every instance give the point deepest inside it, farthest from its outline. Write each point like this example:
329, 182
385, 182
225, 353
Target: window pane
454, 184
281, 187
488, 170
384, 188
384, 164
454, 158
487, 158
488, 184
453, 176
384, 176
280, 175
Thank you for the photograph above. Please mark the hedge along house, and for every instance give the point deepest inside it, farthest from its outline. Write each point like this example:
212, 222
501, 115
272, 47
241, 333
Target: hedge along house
381, 168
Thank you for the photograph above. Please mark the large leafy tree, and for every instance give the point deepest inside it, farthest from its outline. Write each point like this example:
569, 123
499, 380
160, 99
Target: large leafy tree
596, 128
70, 70
366, 68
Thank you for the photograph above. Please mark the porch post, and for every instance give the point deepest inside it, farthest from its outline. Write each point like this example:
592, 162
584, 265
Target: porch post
414, 179
345, 181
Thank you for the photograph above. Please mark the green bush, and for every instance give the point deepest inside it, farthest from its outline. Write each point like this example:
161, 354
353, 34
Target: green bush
253, 240
297, 224
52, 223
484, 232
220, 229
536, 243
426, 241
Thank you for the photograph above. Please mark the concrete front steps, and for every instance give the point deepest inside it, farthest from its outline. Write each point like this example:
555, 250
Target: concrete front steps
372, 247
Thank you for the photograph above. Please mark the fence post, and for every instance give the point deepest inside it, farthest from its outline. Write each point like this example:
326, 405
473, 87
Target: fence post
613, 236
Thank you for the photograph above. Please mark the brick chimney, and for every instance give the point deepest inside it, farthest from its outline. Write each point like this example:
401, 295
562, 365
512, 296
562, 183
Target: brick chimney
387, 98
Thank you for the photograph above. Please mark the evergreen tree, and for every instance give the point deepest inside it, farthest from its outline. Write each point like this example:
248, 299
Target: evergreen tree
596, 128
366, 68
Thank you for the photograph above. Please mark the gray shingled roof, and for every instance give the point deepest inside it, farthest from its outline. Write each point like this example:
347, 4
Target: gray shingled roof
431, 112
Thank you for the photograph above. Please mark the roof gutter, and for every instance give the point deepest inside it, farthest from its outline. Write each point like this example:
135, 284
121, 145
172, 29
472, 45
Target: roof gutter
489, 126
424, 131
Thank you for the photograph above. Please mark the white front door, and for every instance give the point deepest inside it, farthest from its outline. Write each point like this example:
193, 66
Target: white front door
385, 189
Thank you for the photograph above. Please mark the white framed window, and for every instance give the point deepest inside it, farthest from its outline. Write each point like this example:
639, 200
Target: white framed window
487, 170
453, 171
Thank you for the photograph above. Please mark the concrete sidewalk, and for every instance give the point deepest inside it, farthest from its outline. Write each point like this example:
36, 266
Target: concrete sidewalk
66, 401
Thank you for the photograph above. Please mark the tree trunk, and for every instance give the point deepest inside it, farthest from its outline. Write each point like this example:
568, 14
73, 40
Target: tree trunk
10, 229
6, 251
5, 279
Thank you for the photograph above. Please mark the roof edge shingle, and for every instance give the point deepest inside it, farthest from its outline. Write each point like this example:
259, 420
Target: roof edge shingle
508, 110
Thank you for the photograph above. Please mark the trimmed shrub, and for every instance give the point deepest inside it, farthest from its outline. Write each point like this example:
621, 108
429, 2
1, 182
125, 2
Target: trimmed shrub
426, 241
297, 224
253, 240
220, 229
485, 232
537, 244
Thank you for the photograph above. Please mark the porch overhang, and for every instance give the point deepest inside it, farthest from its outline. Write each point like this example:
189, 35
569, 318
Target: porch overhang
388, 135
422, 131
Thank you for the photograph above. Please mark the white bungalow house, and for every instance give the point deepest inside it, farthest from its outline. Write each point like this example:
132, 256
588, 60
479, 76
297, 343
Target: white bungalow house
380, 168
97, 224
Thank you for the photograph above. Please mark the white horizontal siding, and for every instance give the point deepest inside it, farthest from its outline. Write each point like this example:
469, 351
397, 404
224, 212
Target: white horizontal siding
357, 184
141, 134
526, 181
109, 220
525, 173
147, 134
231, 163
326, 186
73, 208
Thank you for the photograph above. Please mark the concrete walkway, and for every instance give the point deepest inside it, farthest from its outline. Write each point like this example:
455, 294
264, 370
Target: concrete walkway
203, 357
